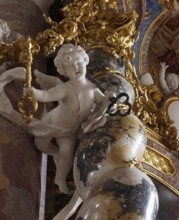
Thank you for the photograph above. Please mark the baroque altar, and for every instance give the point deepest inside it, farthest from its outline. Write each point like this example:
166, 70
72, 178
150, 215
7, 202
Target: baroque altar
131, 50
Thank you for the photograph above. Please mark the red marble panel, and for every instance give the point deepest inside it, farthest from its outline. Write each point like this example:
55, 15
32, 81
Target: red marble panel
19, 173
20, 162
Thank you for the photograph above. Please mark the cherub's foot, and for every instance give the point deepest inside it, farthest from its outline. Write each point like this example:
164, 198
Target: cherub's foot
62, 185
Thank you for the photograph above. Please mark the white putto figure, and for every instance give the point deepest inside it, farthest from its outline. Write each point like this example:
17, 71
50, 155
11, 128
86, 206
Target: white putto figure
76, 100
169, 83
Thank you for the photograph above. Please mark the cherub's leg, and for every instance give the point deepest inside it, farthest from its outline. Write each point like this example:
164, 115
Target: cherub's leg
64, 161
45, 145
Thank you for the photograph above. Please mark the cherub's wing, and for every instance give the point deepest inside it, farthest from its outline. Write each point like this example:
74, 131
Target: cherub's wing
45, 81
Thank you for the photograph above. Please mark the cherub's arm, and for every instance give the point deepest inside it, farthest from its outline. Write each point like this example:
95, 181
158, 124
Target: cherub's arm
162, 82
102, 100
54, 94
98, 119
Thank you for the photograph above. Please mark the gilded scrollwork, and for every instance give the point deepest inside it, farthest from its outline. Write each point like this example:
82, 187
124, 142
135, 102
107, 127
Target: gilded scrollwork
112, 31
9, 52
148, 108
170, 131
169, 4
158, 120
88, 24
158, 161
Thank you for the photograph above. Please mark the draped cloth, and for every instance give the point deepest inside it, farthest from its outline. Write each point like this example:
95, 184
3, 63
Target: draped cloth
35, 127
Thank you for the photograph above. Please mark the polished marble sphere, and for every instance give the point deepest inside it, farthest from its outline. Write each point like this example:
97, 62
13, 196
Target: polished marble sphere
117, 84
128, 194
120, 141
101, 60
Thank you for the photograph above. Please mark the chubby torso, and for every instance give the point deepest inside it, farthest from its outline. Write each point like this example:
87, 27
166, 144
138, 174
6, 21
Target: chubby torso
74, 108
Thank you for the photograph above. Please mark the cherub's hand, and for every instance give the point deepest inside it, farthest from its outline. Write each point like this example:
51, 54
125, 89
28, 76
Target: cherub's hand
33, 90
164, 66
109, 94
27, 91
162, 71
94, 123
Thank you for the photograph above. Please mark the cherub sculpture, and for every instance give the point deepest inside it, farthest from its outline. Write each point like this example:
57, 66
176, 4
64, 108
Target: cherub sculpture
169, 83
56, 132
76, 100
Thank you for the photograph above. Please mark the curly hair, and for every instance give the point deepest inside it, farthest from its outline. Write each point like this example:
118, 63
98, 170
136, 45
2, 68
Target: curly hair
63, 56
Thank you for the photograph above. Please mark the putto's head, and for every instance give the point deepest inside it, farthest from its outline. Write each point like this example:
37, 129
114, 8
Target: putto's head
172, 80
71, 59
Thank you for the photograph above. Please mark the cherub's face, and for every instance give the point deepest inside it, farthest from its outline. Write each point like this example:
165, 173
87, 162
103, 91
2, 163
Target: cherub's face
75, 65
172, 81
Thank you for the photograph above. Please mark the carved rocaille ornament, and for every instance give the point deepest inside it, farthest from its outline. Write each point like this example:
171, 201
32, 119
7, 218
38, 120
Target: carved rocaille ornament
92, 24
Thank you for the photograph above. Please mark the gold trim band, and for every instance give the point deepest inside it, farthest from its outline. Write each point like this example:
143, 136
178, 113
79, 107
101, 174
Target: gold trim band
156, 138
108, 71
158, 161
